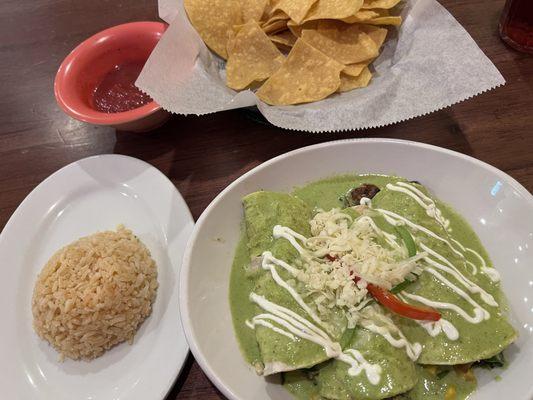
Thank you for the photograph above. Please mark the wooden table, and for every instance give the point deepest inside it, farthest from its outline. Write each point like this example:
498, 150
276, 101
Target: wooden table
202, 155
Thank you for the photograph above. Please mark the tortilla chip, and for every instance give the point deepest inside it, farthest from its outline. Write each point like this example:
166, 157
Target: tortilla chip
295, 9
296, 29
380, 4
355, 69
274, 27
333, 9
277, 15
306, 75
348, 44
285, 39
392, 20
378, 35
253, 9
270, 7
214, 20
251, 57
353, 82
231, 38
362, 16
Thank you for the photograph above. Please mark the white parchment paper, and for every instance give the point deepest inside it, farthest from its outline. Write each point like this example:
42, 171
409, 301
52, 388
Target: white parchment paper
429, 63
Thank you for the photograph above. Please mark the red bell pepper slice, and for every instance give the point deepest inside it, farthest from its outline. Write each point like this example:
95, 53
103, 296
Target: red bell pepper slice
394, 304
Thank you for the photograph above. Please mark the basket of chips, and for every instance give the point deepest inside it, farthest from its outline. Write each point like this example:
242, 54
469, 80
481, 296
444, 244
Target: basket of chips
315, 65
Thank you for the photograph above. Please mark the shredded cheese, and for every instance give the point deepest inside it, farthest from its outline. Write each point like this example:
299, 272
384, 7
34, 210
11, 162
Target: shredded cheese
341, 249
356, 247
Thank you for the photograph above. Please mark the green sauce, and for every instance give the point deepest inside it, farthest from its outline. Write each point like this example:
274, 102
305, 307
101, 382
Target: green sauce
241, 308
301, 385
431, 386
476, 341
326, 193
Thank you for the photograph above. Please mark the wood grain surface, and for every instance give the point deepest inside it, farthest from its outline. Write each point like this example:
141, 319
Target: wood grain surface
202, 155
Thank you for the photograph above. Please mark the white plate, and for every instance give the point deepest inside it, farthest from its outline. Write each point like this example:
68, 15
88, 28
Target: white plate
90, 195
498, 208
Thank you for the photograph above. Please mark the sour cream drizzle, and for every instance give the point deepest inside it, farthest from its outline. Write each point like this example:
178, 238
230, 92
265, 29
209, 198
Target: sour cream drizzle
413, 350
472, 266
433, 211
441, 326
437, 261
287, 233
268, 258
395, 219
477, 308
262, 319
358, 363
451, 269
389, 237
475, 319
295, 325
424, 201
492, 273
269, 263
436, 213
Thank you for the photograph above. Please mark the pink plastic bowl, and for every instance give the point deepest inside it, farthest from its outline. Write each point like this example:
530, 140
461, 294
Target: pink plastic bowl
86, 66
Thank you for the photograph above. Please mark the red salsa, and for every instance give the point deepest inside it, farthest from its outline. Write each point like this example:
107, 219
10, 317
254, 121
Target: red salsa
117, 91
516, 25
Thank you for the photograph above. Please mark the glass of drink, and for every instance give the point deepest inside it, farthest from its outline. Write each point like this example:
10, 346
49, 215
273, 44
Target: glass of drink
516, 25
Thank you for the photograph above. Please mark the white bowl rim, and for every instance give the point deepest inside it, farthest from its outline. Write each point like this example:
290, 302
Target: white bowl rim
184, 273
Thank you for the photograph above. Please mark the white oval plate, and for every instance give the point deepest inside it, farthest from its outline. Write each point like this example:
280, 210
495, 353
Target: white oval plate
87, 196
498, 208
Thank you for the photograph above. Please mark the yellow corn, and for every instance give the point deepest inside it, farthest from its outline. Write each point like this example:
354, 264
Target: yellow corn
451, 393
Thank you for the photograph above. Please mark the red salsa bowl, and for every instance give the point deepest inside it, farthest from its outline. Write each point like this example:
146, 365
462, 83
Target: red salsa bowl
90, 75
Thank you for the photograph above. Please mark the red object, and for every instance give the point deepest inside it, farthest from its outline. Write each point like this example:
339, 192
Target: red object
330, 257
97, 58
117, 91
390, 301
516, 25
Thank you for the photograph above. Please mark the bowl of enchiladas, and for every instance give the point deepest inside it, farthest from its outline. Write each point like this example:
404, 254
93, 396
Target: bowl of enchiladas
364, 269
